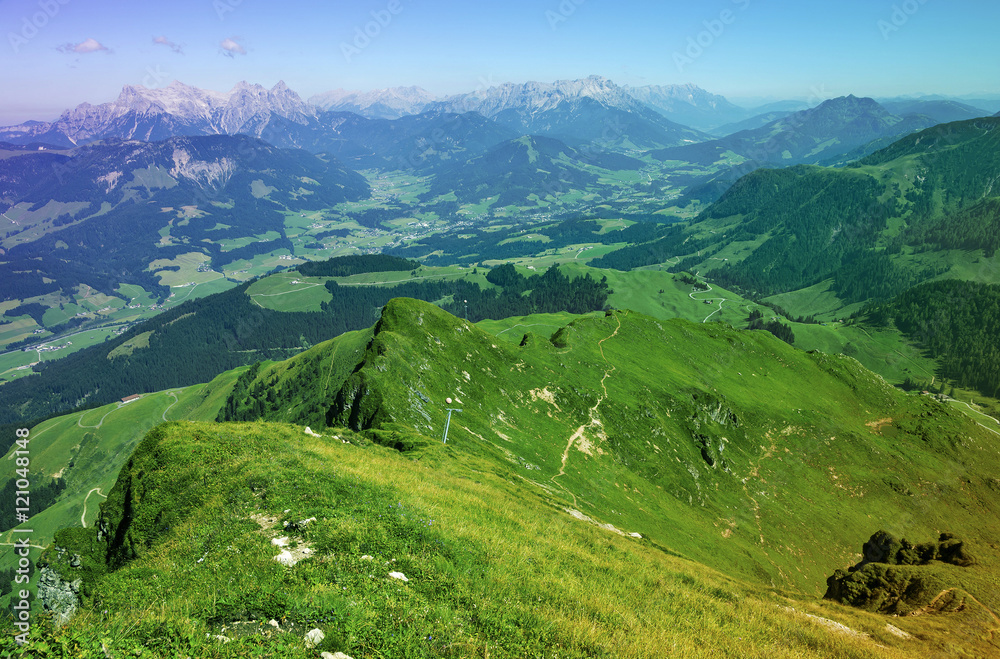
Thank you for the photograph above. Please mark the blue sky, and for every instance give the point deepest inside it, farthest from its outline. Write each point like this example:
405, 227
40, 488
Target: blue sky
56, 54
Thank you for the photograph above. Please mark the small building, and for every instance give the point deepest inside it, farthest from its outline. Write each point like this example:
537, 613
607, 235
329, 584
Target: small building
129, 399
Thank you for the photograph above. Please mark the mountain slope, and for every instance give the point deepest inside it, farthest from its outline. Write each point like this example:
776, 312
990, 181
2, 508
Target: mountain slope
592, 110
689, 105
118, 206
823, 133
518, 172
636, 457
895, 218
941, 111
722, 403
421, 142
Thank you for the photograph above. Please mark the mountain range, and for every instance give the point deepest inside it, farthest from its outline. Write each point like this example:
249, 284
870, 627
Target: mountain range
101, 214
377, 104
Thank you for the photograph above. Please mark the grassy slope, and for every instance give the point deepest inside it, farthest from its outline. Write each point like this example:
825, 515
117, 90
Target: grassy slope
611, 421
98, 442
494, 568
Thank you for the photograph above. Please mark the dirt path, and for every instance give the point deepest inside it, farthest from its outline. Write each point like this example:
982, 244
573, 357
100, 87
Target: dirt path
83, 516
174, 395
594, 420
100, 423
980, 414
930, 608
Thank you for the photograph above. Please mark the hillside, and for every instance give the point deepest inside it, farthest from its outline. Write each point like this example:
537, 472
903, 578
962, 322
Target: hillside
727, 473
527, 170
832, 129
905, 214
198, 340
103, 214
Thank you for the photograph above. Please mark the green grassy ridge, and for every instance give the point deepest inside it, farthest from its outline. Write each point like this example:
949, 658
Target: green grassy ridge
493, 567
658, 426
807, 481
89, 458
652, 291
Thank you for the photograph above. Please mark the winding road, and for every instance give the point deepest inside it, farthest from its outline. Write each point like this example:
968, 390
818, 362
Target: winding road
722, 300
83, 515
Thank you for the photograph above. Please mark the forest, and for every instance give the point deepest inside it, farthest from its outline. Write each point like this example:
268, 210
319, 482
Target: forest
956, 322
197, 340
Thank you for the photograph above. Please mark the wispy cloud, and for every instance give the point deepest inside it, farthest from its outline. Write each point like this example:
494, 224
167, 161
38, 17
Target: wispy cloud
88, 46
163, 41
232, 47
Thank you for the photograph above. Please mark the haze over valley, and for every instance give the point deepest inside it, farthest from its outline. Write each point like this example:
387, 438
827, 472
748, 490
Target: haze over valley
551, 331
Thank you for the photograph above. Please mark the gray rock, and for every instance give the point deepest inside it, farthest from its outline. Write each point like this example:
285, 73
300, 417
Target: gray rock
314, 638
58, 595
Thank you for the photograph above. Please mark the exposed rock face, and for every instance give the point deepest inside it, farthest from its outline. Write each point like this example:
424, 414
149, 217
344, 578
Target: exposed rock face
58, 595
889, 579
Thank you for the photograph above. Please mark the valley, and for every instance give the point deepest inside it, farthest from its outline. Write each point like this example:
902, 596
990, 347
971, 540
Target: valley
719, 381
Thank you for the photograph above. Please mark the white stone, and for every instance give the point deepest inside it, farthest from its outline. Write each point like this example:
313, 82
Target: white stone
335, 655
274, 623
279, 542
286, 558
398, 575
636, 535
314, 638
366, 557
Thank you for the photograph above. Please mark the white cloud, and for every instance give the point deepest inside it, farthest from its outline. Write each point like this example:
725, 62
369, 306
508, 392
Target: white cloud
163, 41
232, 48
88, 46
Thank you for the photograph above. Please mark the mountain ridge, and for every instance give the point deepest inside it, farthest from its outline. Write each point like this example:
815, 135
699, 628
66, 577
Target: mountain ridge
814, 136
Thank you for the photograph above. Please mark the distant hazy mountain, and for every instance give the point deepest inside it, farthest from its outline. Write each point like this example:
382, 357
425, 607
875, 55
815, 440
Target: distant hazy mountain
780, 106
102, 213
418, 142
157, 114
529, 166
592, 110
689, 105
756, 121
835, 127
377, 104
942, 111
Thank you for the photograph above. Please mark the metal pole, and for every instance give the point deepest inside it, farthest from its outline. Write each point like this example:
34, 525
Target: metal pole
447, 423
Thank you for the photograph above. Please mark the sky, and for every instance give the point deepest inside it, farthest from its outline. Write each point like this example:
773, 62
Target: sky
56, 54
